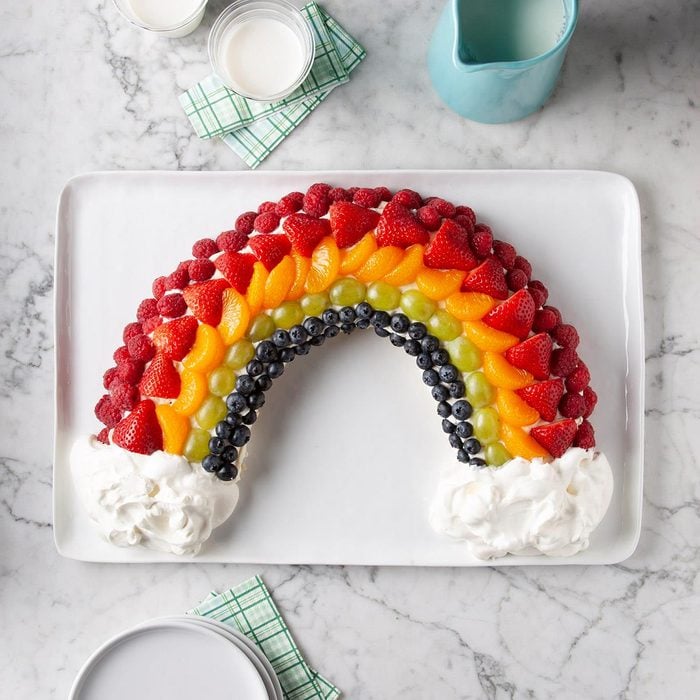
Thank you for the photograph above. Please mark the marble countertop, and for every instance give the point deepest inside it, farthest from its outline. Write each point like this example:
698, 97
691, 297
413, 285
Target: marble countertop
83, 91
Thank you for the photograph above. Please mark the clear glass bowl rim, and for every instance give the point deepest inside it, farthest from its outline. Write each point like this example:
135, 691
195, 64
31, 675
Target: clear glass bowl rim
158, 30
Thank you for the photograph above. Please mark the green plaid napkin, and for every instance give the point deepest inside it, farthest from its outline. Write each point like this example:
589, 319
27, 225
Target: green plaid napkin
254, 129
249, 608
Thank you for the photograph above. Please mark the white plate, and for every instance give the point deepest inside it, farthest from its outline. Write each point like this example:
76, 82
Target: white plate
169, 660
346, 453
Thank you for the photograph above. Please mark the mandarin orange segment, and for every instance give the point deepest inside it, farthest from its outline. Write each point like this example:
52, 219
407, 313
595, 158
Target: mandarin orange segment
256, 288
355, 257
235, 316
469, 306
487, 338
439, 284
279, 282
520, 444
405, 272
503, 375
325, 263
513, 409
208, 350
193, 390
380, 263
175, 427
302, 265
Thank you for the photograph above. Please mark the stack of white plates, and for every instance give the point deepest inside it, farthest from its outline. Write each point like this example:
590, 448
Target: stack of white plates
177, 658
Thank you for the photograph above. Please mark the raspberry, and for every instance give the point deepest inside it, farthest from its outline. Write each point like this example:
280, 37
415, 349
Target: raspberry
103, 436
566, 335
468, 212
465, 222
585, 436
177, 279
147, 308
516, 279
572, 406
408, 198
266, 207
172, 305
231, 241
201, 270
183, 265
351, 192
538, 292
578, 380
158, 287
591, 399
505, 253
384, 194
130, 330
366, 198
141, 348
150, 324
290, 204
429, 217
339, 194
444, 208
563, 362
316, 201
205, 248
244, 223
124, 396
267, 222
121, 354
545, 319
522, 264
109, 376
481, 239
130, 371
107, 412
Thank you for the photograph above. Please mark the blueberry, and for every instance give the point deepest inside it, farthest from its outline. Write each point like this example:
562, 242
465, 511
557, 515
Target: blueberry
256, 400
275, 369
430, 377
224, 429
216, 445
266, 351
314, 326
211, 463
444, 410
448, 373
417, 330
364, 310
302, 349
240, 436
281, 338
380, 319
263, 382
456, 441
230, 454
381, 332
448, 426
457, 389
461, 410
347, 315
472, 445
440, 357
233, 419
440, 392
287, 355
254, 368
462, 456
412, 347
430, 343
330, 317
249, 418
477, 462
227, 472
363, 323
235, 402
316, 340
331, 331
464, 429
245, 385
400, 323
347, 328
298, 334
423, 361
398, 341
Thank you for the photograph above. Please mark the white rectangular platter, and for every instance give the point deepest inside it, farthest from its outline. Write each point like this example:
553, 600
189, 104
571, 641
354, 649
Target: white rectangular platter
346, 453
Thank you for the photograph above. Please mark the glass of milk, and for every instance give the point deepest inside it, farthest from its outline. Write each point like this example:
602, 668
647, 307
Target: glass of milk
261, 49
171, 18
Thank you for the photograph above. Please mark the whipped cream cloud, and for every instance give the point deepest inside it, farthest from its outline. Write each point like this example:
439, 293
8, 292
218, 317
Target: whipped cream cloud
525, 507
160, 501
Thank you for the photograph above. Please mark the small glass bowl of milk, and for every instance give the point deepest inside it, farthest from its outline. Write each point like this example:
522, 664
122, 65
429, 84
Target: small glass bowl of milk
171, 18
261, 49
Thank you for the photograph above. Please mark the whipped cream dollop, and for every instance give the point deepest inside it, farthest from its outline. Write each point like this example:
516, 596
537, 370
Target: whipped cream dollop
160, 501
525, 507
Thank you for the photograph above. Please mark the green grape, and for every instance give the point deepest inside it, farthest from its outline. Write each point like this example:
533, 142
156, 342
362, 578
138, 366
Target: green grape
417, 306
444, 325
383, 296
315, 304
496, 454
479, 391
465, 356
347, 292
288, 314
221, 381
212, 410
261, 327
239, 354
197, 445
487, 425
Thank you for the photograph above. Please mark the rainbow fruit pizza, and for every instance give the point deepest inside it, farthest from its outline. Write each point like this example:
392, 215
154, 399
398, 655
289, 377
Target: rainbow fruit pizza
500, 362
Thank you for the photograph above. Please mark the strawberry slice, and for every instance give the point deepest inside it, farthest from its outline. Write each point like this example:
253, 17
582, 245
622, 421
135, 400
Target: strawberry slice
488, 278
398, 226
175, 338
305, 232
349, 222
270, 248
533, 355
450, 249
557, 437
237, 268
544, 397
514, 316
139, 431
205, 300
160, 379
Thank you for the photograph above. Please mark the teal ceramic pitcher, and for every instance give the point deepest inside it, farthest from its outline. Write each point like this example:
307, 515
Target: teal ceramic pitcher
496, 61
